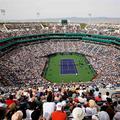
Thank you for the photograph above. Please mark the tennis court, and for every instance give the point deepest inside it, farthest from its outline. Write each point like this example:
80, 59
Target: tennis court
68, 66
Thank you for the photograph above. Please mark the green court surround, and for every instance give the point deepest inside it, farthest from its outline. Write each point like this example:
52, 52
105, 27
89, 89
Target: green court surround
52, 69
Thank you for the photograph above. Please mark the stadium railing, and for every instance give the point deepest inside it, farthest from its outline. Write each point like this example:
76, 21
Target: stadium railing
13, 41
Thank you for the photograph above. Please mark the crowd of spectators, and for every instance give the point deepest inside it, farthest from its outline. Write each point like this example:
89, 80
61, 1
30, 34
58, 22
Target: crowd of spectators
108, 29
58, 102
18, 29
38, 99
11, 30
27, 62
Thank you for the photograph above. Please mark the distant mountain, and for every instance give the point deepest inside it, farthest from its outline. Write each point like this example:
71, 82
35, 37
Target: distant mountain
85, 20
73, 20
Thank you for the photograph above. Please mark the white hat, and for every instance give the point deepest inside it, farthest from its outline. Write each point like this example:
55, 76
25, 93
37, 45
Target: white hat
103, 115
117, 116
59, 106
94, 117
88, 111
63, 103
78, 113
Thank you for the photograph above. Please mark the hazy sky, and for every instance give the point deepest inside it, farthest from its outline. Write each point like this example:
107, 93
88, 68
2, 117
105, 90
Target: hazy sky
28, 9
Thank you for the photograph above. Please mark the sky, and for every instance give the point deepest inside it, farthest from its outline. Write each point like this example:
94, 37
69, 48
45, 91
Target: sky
37, 9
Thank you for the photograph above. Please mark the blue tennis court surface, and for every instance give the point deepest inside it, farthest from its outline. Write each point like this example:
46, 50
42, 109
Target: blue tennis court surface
68, 66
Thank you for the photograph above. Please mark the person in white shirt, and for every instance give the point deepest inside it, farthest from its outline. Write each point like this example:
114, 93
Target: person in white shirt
96, 93
48, 107
104, 97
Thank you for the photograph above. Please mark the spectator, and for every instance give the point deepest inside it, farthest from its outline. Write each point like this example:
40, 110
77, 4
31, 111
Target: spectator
96, 92
48, 110
98, 98
10, 100
117, 114
59, 114
102, 115
104, 97
17, 115
78, 114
